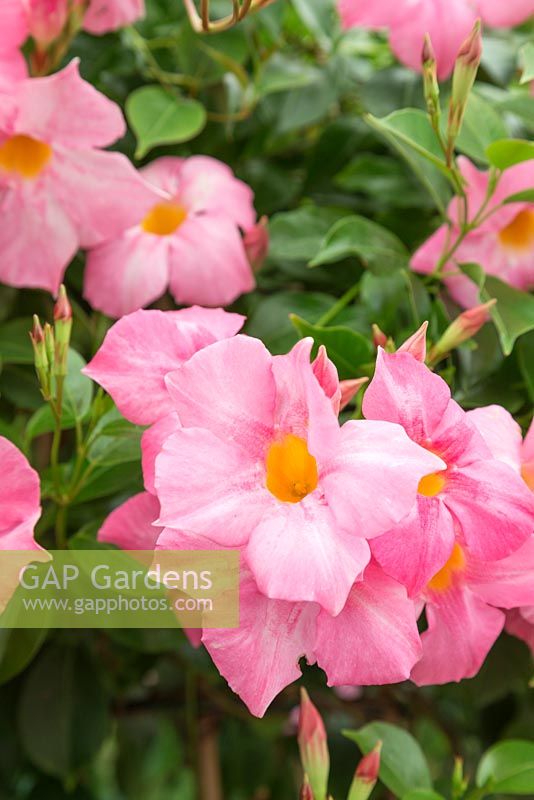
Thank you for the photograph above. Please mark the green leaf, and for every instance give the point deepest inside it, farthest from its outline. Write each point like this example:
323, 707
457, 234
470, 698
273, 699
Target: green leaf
379, 249
526, 59
403, 766
280, 74
348, 349
63, 715
508, 768
474, 138
15, 345
504, 153
525, 357
422, 794
521, 197
115, 441
513, 314
270, 321
297, 235
18, 646
159, 117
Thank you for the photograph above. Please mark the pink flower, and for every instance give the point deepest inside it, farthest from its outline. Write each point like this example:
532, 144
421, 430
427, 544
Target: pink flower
189, 241
463, 602
448, 22
503, 436
520, 623
19, 500
140, 350
58, 189
46, 19
103, 16
503, 244
268, 468
473, 498
13, 32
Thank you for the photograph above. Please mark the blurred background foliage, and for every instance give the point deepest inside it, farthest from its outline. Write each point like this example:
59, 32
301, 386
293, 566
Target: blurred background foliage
282, 98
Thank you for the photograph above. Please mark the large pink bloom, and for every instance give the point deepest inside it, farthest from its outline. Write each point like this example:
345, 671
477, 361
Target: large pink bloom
262, 463
448, 22
19, 499
463, 603
13, 32
476, 500
503, 244
58, 189
189, 242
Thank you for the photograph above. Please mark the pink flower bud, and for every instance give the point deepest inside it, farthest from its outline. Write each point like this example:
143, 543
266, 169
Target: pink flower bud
366, 774
350, 389
46, 19
416, 344
62, 308
461, 329
306, 790
256, 241
313, 747
465, 71
379, 337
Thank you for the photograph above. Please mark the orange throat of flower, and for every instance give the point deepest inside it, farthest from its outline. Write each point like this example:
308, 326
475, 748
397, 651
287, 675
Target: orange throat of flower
519, 233
291, 470
164, 219
445, 578
527, 473
431, 485
24, 156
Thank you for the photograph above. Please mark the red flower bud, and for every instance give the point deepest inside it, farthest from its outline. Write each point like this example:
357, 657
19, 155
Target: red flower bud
256, 241
313, 747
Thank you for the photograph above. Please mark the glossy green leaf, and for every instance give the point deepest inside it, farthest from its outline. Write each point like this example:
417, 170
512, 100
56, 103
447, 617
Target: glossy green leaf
348, 349
508, 768
18, 646
15, 345
475, 138
505, 153
526, 59
158, 116
378, 249
297, 235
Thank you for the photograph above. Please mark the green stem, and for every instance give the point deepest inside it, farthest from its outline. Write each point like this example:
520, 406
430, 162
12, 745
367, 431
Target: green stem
61, 527
343, 301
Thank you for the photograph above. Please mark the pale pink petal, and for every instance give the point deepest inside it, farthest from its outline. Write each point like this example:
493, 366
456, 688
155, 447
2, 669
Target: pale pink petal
220, 323
297, 552
108, 15
151, 445
210, 487
164, 173
130, 526
426, 258
126, 273
326, 373
372, 477
506, 583
362, 14
374, 640
418, 547
261, 657
238, 373
517, 625
12, 67
37, 238
527, 453
457, 439
505, 15
13, 24
140, 350
501, 433
461, 632
63, 108
19, 499
493, 506
102, 193
208, 264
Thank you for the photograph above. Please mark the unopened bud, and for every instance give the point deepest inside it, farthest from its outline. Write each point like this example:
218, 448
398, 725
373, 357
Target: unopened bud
430, 83
463, 78
62, 329
306, 790
40, 356
379, 337
313, 747
46, 19
461, 329
62, 308
349, 390
256, 242
49, 342
366, 774
416, 344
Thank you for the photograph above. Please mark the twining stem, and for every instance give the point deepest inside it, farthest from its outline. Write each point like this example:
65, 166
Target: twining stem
343, 301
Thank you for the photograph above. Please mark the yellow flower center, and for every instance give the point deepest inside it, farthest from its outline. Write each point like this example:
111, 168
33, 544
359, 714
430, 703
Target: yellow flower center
527, 473
519, 234
164, 219
291, 469
443, 579
26, 156
431, 485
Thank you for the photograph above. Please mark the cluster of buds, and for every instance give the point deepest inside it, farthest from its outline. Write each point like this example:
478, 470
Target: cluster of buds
315, 758
51, 345
201, 22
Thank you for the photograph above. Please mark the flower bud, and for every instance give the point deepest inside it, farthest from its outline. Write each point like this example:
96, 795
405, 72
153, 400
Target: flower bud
430, 82
306, 790
40, 356
256, 242
416, 344
46, 19
366, 774
461, 329
463, 78
62, 329
49, 342
349, 389
313, 747
379, 337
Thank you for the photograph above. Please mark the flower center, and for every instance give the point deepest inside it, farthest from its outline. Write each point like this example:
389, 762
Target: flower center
291, 469
443, 579
431, 485
519, 234
24, 155
527, 473
164, 219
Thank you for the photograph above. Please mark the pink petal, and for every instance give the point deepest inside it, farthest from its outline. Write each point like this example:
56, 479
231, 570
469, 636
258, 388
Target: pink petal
151, 445
374, 640
418, 547
210, 487
261, 657
13, 24
108, 15
501, 433
126, 273
372, 477
209, 265
517, 625
506, 583
19, 499
130, 526
297, 552
238, 373
326, 373
416, 344
12, 67
63, 108
457, 439
505, 15
221, 324
493, 507
461, 632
